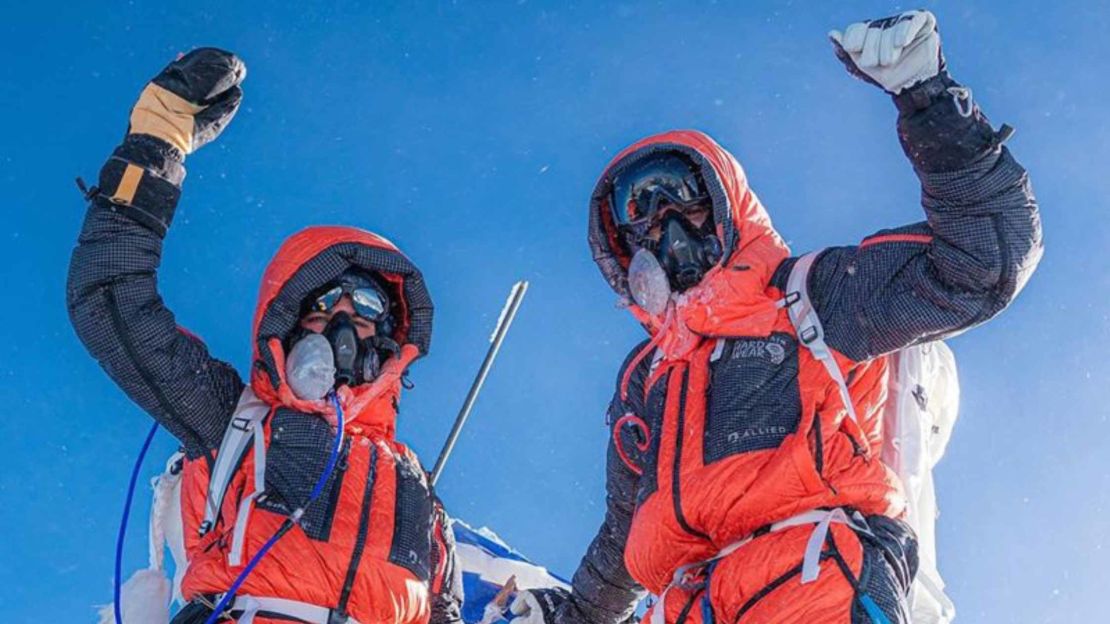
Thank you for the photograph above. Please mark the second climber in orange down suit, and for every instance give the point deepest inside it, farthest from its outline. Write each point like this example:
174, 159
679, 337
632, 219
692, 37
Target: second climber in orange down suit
729, 441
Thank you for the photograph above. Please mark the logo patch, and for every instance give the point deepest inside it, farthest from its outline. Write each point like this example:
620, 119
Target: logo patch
772, 349
753, 398
755, 432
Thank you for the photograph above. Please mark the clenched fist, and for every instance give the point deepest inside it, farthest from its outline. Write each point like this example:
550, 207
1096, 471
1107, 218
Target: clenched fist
192, 100
894, 53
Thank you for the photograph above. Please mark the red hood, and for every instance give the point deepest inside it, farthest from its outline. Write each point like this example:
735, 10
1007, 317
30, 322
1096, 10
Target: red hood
304, 262
732, 298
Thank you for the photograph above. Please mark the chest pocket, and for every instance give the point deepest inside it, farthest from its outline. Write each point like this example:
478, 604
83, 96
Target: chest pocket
412, 524
754, 401
297, 456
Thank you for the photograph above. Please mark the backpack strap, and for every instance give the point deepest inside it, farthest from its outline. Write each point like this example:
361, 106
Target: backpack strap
245, 426
808, 326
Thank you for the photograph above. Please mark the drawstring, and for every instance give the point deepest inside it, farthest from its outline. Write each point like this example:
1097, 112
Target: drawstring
87, 192
648, 348
293, 519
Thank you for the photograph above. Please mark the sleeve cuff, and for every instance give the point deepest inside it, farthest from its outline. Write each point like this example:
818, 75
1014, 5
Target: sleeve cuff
941, 127
142, 180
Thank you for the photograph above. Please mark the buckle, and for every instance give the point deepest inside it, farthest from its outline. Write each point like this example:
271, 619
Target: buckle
809, 334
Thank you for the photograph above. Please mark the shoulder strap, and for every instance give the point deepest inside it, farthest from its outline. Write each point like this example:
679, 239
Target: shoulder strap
808, 326
245, 424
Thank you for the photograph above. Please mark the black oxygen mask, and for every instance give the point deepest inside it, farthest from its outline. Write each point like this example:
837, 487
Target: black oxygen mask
342, 335
685, 252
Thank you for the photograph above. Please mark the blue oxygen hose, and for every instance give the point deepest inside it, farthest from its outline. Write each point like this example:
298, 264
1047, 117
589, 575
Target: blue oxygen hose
123, 522
289, 522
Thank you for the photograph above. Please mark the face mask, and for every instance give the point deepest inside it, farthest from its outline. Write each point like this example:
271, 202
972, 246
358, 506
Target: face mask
685, 253
310, 367
317, 363
647, 282
343, 338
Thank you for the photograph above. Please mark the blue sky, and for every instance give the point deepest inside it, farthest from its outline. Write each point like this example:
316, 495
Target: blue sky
471, 133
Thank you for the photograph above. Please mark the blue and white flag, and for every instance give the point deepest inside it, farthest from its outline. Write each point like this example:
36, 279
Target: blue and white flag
488, 564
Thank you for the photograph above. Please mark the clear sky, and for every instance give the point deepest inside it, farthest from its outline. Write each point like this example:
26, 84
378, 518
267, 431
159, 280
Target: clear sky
471, 134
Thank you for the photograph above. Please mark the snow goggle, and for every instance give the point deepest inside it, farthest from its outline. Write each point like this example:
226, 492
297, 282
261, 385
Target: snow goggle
367, 298
640, 190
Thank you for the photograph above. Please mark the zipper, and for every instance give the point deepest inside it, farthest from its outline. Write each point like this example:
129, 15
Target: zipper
156, 390
818, 446
336, 488
360, 540
819, 452
772, 586
676, 494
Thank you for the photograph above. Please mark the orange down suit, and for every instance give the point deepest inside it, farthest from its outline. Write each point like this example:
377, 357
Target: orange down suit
372, 547
726, 433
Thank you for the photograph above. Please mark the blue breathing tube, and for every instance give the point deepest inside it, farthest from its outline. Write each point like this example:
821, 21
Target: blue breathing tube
123, 523
293, 518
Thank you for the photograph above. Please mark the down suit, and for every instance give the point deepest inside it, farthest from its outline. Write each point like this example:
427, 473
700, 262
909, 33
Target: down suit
374, 547
725, 432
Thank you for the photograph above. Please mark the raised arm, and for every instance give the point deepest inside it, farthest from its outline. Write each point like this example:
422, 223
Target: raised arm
112, 291
981, 239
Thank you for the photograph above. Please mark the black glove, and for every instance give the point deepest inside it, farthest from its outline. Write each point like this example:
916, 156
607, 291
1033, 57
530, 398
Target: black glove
192, 100
184, 107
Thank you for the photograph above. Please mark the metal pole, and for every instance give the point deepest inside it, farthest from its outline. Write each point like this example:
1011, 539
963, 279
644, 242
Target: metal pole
508, 313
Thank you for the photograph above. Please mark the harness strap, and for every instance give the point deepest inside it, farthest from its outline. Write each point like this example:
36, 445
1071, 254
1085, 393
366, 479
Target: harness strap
809, 329
245, 608
249, 413
811, 562
238, 538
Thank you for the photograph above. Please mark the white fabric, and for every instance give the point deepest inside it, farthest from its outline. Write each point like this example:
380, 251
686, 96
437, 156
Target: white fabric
174, 531
498, 570
896, 52
918, 418
144, 599
165, 523
917, 423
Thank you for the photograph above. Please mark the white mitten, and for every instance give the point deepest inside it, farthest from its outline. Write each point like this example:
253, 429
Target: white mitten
536, 606
894, 53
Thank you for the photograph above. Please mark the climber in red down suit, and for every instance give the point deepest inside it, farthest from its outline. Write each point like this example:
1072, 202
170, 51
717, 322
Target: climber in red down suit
341, 314
730, 444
